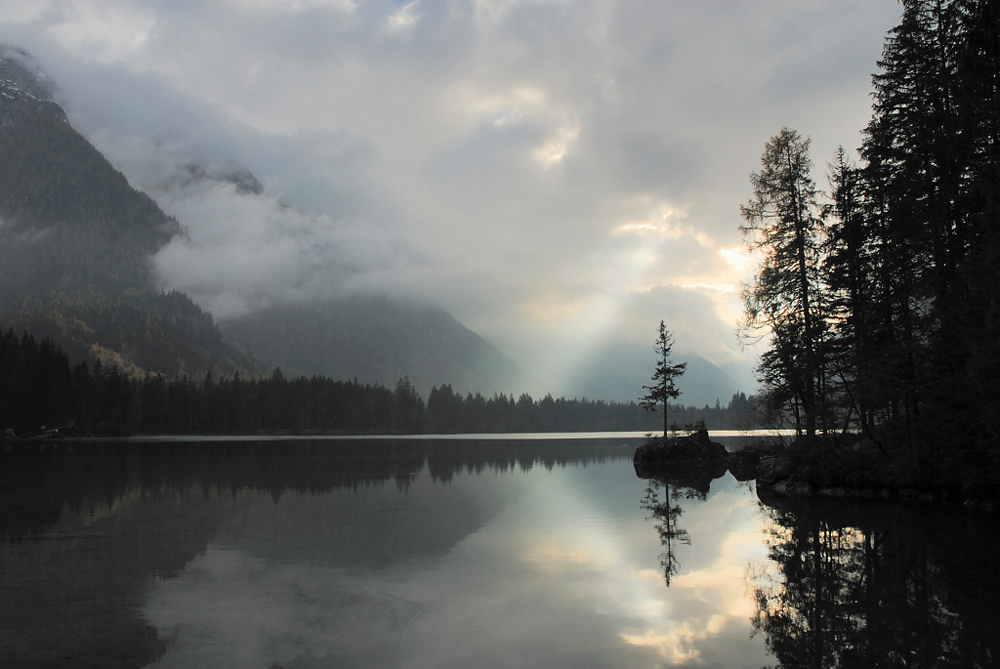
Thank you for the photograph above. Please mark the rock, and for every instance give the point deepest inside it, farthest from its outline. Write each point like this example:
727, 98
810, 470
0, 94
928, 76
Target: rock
743, 470
693, 461
693, 475
744, 463
9, 434
773, 469
694, 447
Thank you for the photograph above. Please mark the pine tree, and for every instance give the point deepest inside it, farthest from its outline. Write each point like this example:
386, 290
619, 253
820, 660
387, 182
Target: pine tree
663, 389
931, 174
852, 284
784, 224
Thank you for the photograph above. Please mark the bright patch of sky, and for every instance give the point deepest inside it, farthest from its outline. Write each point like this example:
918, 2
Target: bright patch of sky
558, 175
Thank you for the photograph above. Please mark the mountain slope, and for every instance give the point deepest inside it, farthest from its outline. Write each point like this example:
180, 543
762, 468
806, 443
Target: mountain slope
65, 210
75, 242
618, 373
75, 247
376, 340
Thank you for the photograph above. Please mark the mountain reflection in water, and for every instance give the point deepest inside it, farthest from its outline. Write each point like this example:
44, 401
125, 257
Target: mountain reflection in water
85, 526
464, 553
42, 480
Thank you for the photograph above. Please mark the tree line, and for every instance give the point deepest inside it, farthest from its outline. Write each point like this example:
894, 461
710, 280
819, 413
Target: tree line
878, 301
40, 390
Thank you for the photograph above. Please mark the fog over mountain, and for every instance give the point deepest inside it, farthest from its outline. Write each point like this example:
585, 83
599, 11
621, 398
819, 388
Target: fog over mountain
557, 176
79, 246
619, 373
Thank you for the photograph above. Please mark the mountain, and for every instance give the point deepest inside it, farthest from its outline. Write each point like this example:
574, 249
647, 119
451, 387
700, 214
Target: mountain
742, 375
75, 247
376, 340
66, 212
618, 373
75, 243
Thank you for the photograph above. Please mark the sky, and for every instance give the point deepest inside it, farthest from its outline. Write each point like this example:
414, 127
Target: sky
558, 174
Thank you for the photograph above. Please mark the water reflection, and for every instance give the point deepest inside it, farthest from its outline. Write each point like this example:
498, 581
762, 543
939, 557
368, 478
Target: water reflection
670, 533
864, 584
678, 481
112, 554
405, 554
41, 483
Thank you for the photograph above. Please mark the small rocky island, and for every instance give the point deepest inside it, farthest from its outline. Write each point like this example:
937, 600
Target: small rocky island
695, 455
831, 466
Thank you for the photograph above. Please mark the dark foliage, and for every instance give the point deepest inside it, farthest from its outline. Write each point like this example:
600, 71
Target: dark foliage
864, 584
38, 387
902, 346
36, 384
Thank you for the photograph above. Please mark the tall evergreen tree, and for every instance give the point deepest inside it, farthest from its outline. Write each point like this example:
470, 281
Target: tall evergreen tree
784, 224
885, 305
932, 173
663, 389
851, 282
914, 151
979, 97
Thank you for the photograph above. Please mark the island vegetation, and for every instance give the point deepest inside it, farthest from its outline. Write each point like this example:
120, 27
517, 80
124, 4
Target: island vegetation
663, 388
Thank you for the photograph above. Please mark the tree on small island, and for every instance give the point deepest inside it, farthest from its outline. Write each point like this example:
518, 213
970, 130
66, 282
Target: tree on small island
663, 389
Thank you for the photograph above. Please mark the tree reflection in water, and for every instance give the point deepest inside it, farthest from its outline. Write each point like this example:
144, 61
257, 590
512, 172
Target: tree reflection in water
678, 482
670, 533
878, 585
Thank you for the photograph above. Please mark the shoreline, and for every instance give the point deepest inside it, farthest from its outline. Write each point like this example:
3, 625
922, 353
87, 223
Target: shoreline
842, 466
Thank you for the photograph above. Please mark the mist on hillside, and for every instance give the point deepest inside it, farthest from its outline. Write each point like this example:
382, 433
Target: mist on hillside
314, 293
556, 198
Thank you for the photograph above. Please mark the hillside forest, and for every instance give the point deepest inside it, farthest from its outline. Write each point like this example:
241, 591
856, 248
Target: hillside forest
42, 394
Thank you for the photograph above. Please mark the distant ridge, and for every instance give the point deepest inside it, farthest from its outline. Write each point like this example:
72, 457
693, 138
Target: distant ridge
618, 372
376, 340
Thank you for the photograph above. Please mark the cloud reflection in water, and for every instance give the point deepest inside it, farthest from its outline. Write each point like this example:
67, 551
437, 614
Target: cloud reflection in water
558, 572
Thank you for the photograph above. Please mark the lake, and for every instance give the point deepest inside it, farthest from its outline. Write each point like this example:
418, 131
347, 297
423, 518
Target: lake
467, 553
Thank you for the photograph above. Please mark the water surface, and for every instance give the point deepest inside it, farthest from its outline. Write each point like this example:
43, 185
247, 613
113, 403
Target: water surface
500, 553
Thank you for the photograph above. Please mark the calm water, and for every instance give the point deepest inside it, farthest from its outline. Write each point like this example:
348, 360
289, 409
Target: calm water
467, 554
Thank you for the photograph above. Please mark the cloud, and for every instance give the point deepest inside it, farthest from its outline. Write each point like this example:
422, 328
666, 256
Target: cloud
404, 18
481, 154
100, 30
251, 251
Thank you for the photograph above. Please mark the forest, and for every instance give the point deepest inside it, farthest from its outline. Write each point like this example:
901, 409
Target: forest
42, 394
877, 302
